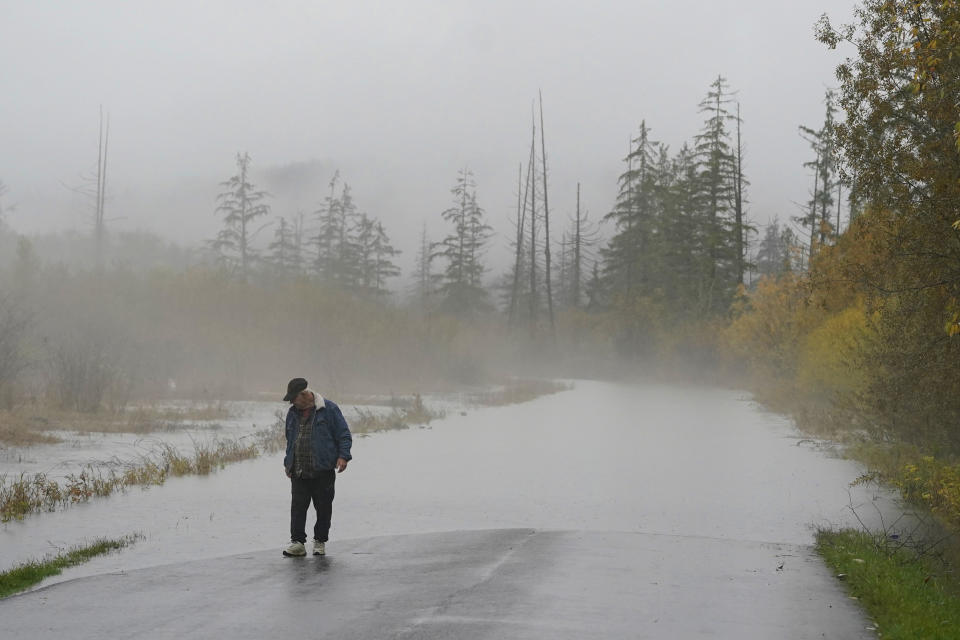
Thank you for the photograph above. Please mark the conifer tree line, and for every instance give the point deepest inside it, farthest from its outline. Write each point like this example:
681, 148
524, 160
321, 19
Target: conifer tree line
675, 247
338, 243
678, 246
680, 243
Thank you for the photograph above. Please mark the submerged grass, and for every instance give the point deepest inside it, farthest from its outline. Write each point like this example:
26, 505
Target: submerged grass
17, 433
24, 576
28, 494
207, 457
398, 418
26, 425
908, 596
274, 437
31, 493
517, 391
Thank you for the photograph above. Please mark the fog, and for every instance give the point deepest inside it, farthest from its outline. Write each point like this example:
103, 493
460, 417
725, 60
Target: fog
398, 97
333, 191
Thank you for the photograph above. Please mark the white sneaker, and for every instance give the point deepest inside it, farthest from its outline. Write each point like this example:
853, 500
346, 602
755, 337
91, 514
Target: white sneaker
319, 548
295, 549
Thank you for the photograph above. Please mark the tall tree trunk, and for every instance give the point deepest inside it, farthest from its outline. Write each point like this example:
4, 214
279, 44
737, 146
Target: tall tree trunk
533, 232
243, 217
813, 211
576, 256
546, 219
99, 221
462, 231
824, 214
839, 194
631, 201
738, 202
518, 258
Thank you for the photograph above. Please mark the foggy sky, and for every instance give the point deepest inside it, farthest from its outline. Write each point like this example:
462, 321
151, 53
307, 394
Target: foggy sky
396, 95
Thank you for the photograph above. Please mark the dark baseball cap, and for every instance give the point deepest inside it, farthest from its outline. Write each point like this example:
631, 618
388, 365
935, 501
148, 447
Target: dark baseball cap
294, 387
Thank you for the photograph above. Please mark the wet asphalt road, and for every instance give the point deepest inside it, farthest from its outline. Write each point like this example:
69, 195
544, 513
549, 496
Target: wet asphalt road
608, 511
507, 583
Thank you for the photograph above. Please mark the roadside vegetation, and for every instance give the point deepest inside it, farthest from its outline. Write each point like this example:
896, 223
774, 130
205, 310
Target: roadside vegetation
908, 596
25, 575
862, 343
32, 493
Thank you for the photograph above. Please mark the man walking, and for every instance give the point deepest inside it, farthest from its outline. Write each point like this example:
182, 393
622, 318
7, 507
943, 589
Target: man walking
318, 442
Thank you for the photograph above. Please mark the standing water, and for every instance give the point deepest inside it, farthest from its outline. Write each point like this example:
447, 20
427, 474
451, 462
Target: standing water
683, 461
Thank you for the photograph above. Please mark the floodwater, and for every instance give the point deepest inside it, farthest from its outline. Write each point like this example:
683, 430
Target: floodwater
683, 461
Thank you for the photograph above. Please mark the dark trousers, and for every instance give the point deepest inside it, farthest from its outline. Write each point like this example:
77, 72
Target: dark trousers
302, 491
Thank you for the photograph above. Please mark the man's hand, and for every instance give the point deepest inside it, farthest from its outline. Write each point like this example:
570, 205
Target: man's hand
287, 471
341, 465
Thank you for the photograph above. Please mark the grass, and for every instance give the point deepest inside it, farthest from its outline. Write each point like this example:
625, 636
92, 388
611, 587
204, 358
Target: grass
908, 596
25, 494
907, 585
27, 574
26, 425
28, 494
206, 457
517, 391
399, 418
274, 437
16, 432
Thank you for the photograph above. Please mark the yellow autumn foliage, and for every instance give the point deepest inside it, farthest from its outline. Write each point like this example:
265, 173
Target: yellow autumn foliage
768, 327
830, 356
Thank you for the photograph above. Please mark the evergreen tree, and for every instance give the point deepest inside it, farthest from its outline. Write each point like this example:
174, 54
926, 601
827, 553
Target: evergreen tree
383, 265
423, 276
683, 246
374, 253
634, 215
596, 296
461, 290
716, 165
824, 165
582, 237
366, 228
329, 218
338, 261
776, 249
284, 257
241, 204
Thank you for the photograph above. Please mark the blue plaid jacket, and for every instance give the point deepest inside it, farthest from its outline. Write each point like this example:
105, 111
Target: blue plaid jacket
331, 436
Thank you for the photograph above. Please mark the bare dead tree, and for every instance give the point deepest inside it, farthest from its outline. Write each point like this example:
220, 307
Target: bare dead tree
98, 220
533, 231
839, 200
577, 239
518, 253
546, 220
583, 236
738, 201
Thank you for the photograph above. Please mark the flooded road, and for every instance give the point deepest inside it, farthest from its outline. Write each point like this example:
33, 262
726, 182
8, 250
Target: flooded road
677, 461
